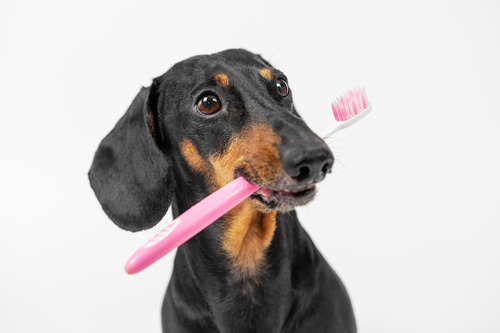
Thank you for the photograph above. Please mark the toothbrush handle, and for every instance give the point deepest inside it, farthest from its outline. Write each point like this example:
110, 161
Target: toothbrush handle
190, 223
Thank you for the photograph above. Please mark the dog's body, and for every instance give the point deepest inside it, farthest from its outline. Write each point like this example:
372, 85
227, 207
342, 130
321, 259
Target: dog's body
206, 121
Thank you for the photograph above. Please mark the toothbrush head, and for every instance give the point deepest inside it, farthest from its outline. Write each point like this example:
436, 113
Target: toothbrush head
350, 104
347, 110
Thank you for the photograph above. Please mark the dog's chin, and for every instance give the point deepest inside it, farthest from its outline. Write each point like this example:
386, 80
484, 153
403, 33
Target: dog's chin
268, 200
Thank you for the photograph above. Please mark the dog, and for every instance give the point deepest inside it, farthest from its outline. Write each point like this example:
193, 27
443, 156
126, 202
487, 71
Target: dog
206, 121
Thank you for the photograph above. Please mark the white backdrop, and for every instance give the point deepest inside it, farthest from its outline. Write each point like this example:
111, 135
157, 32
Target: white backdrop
410, 219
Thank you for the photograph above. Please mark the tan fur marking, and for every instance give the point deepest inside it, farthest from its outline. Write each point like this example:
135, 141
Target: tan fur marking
222, 80
151, 123
266, 74
248, 231
247, 236
255, 151
193, 158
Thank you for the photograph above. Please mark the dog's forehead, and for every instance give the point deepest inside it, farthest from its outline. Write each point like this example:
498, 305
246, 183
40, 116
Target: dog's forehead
242, 57
238, 58
229, 63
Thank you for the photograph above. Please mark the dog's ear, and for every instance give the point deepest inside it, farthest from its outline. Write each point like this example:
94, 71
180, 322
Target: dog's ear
130, 175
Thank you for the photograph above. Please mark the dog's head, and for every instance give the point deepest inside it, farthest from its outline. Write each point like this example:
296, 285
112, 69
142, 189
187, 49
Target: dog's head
213, 117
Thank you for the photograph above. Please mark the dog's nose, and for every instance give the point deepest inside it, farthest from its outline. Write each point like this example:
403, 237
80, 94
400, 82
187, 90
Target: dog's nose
308, 166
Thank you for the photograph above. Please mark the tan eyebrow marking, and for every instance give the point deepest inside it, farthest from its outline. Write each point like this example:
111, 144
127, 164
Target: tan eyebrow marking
193, 157
266, 74
151, 123
221, 80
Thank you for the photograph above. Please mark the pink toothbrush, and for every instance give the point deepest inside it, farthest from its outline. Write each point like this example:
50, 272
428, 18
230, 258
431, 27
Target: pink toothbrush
347, 109
191, 222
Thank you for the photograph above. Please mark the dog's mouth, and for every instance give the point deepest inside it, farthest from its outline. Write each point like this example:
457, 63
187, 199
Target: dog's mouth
284, 200
279, 192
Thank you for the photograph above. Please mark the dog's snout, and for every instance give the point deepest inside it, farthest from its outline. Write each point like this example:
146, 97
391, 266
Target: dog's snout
308, 166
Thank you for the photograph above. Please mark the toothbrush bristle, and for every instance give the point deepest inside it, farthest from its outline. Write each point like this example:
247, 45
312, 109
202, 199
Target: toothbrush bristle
350, 104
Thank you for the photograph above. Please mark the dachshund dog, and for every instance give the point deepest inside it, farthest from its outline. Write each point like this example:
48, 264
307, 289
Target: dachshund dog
206, 121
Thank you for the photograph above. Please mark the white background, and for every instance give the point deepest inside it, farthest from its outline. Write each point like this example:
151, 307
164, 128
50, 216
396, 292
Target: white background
410, 219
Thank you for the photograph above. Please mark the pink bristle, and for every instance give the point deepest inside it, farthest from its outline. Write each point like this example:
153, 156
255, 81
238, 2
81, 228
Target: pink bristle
335, 113
347, 113
337, 108
359, 100
349, 104
345, 105
342, 108
339, 111
355, 99
352, 105
356, 102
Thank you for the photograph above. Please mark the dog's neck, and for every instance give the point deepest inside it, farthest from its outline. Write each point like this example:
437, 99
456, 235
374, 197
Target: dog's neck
246, 237
241, 237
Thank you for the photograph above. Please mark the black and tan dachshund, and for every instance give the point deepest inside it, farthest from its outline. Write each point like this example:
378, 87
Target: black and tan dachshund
206, 121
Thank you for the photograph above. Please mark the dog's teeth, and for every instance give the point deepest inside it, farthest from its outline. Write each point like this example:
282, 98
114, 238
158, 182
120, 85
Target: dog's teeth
265, 193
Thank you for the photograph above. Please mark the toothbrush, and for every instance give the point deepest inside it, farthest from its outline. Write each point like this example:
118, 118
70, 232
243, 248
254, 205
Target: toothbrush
347, 110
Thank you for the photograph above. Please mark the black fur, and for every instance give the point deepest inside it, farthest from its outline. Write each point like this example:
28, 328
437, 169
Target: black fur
131, 176
138, 171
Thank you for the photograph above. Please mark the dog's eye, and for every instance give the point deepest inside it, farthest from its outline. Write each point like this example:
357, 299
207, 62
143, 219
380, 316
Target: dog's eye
209, 104
282, 87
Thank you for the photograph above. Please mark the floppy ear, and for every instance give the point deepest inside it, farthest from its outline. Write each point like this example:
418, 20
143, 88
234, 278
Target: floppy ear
131, 177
